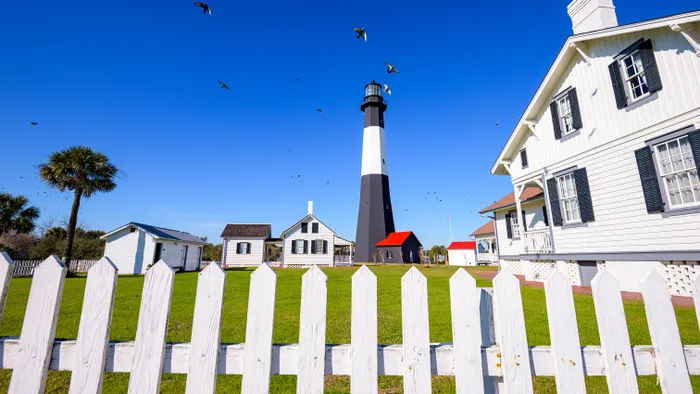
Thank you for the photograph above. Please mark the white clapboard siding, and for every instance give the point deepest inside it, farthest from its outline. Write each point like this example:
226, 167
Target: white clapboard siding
6, 269
38, 328
515, 356
258, 334
312, 332
614, 338
416, 335
364, 332
563, 332
147, 364
466, 333
93, 332
206, 330
663, 328
696, 295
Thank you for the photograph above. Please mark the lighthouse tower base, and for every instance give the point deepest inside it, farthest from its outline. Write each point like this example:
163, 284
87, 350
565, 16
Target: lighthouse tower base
375, 219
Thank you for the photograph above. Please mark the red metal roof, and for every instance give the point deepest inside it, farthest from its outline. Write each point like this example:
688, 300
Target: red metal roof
486, 229
395, 239
462, 245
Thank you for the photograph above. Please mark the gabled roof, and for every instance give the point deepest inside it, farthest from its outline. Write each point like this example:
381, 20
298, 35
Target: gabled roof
302, 220
397, 239
247, 230
531, 193
462, 245
486, 229
160, 233
543, 95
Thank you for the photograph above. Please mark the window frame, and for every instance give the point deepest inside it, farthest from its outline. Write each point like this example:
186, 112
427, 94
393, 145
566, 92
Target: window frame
318, 245
627, 79
299, 246
661, 177
314, 228
564, 116
304, 227
389, 254
514, 224
568, 219
524, 163
243, 248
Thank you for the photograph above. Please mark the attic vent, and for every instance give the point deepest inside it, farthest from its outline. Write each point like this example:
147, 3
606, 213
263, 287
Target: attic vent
132, 229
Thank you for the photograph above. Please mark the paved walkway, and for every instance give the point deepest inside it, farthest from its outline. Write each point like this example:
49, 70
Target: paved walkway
626, 295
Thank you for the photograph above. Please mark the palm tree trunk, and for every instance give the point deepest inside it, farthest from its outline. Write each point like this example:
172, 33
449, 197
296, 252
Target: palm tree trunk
72, 223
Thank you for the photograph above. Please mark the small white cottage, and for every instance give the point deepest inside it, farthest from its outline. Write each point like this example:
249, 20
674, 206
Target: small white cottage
310, 242
462, 253
244, 244
133, 247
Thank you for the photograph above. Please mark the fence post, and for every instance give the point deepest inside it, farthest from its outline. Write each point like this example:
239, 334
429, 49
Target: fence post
312, 332
363, 377
663, 328
466, 333
147, 364
39, 328
206, 331
7, 266
696, 295
416, 336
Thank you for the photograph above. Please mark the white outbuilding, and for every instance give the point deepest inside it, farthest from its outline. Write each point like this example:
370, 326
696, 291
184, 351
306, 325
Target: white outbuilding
133, 247
462, 253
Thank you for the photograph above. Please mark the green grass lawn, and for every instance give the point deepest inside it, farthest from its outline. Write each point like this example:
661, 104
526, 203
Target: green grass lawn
338, 325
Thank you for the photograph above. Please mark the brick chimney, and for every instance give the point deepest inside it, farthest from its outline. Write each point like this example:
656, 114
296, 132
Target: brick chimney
589, 15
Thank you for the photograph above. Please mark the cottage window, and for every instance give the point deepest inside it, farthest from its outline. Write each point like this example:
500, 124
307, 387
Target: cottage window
566, 119
523, 158
568, 199
515, 225
318, 246
679, 172
304, 227
299, 247
389, 254
314, 228
636, 81
243, 248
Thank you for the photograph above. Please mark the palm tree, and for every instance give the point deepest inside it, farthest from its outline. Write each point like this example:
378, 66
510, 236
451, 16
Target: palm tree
83, 171
15, 215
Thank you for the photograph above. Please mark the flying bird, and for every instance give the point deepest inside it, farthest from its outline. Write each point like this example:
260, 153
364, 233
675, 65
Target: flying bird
297, 79
391, 69
360, 32
386, 89
223, 85
496, 123
320, 111
204, 6
34, 123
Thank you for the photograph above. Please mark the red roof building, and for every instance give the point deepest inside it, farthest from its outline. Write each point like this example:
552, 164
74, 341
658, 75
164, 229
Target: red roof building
399, 247
463, 245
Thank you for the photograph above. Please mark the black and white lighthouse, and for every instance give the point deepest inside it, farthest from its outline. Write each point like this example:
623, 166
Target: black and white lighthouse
376, 216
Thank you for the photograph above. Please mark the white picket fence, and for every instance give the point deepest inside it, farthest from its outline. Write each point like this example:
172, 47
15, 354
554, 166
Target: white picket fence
26, 267
483, 357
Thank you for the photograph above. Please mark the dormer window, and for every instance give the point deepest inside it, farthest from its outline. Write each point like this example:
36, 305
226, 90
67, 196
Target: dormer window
566, 114
634, 73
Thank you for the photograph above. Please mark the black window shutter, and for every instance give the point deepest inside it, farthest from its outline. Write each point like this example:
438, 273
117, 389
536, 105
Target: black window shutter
544, 215
585, 204
523, 158
554, 202
650, 183
555, 119
509, 230
247, 250
238, 248
651, 71
694, 141
294, 247
325, 247
523, 226
306, 247
577, 123
618, 84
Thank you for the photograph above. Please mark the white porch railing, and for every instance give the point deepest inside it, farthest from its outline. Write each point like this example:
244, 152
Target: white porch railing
538, 241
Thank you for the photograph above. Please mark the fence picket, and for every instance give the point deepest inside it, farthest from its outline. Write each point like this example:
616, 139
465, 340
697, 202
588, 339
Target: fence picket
93, 332
363, 378
147, 364
416, 334
38, 328
6, 269
515, 354
663, 328
614, 338
563, 331
696, 295
312, 332
257, 363
466, 333
206, 330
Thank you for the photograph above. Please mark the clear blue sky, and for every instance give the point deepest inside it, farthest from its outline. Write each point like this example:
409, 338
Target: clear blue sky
137, 81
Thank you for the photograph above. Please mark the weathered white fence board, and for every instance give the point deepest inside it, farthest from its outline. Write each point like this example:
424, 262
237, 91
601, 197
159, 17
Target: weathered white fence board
663, 328
206, 330
696, 295
563, 331
363, 378
312, 332
466, 332
515, 358
93, 332
416, 335
38, 328
261, 312
614, 338
147, 365
6, 269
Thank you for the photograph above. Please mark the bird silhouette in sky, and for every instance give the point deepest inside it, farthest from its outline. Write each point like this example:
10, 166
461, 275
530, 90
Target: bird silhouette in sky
223, 85
204, 6
391, 69
360, 32
320, 111
34, 123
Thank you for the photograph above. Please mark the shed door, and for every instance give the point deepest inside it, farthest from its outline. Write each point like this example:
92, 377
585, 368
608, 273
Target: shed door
587, 271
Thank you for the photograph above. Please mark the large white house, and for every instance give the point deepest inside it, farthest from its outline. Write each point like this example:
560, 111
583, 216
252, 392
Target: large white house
310, 242
245, 244
133, 247
611, 140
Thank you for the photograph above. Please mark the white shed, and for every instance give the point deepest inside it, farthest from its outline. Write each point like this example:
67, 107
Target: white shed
133, 247
245, 244
462, 253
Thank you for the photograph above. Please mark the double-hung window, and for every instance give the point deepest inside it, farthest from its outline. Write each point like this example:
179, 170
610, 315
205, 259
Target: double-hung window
635, 78
678, 172
568, 198
514, 225
566, 120
300, 246
243, 248
566, 113
318, 246
634, 73
314, 228
304, 227
389, 254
